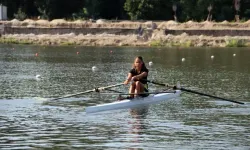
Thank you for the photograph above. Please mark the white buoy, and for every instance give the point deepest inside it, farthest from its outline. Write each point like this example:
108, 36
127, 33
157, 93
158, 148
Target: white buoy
234, 55
183, 59
94, 68
38, 76
150, 63
212, 57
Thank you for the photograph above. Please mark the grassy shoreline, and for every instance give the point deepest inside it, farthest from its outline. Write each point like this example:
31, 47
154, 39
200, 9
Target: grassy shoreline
107, 33
155, 40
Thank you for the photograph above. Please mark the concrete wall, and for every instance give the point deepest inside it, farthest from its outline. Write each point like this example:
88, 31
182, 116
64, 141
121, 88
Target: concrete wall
119, 31
84, 31
215, 33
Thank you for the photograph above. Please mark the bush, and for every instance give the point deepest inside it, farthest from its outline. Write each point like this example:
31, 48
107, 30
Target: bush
235, 43
156, 43
20, 15
81, 15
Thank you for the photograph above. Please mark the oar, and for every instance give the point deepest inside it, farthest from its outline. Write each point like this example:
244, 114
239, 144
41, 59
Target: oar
138, 93
194, 92
89, 91
150, 81
157, 83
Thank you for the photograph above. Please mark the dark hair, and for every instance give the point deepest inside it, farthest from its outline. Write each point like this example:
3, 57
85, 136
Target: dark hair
143, 64
140, 58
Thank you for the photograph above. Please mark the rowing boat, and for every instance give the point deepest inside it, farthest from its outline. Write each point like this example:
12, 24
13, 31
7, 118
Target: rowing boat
131, 103
136, 102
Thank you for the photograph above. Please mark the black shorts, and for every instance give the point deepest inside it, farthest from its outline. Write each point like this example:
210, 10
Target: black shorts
145, 90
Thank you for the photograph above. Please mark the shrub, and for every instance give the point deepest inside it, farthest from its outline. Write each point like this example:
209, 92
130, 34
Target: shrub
20, 15
156, 43
235, 43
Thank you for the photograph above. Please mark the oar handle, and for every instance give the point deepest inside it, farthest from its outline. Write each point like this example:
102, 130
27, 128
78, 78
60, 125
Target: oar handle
151, 81
162, 84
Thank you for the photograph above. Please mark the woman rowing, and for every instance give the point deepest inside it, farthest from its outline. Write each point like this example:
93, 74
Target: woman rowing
138, 76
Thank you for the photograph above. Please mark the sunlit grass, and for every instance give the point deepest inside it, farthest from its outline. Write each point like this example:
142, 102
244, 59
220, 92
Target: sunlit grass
14, 41
236, 43
159, 43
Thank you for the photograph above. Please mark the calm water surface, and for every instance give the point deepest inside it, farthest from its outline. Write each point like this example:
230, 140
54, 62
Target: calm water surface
28, 120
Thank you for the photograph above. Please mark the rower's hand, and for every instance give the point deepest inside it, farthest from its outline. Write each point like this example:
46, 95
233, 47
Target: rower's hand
134, 78
126, 82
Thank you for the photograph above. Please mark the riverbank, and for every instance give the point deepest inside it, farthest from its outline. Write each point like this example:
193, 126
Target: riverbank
106, 33
157, 40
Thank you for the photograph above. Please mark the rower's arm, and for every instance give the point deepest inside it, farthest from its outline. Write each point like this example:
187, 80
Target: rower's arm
140, 76
128, 78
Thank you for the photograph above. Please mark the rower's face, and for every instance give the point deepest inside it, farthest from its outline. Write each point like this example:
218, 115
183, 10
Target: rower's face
138, 62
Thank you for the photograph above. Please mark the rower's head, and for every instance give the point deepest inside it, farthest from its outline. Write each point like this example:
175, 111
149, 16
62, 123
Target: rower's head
139, 63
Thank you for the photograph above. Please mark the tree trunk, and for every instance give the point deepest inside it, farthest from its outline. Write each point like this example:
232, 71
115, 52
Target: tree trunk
237, 18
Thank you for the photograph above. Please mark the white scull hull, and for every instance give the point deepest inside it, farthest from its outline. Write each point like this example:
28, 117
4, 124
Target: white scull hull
133, 103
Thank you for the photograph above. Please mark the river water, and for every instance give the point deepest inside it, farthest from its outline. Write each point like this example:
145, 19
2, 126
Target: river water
30, 76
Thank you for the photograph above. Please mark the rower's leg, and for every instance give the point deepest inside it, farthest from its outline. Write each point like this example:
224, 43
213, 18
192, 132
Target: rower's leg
132, 89
139, 88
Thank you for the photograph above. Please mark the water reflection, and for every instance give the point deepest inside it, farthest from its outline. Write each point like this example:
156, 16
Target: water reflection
138, 115
138, 124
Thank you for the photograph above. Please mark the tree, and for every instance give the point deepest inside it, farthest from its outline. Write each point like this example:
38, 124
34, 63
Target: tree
136, 8
148, 9
237, 9
52, 9
133, 9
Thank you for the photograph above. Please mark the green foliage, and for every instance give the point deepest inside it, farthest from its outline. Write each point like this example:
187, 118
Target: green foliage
227, 13
54, 9
161, 43
110, 9
242, 20
14, 41
67, 43
247, 13
123, 9
187, 44
156, 43
179, 44
83, 14
20, 15
44, 8
148, 9
92, 7
133, 9
235, 43
189, 9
